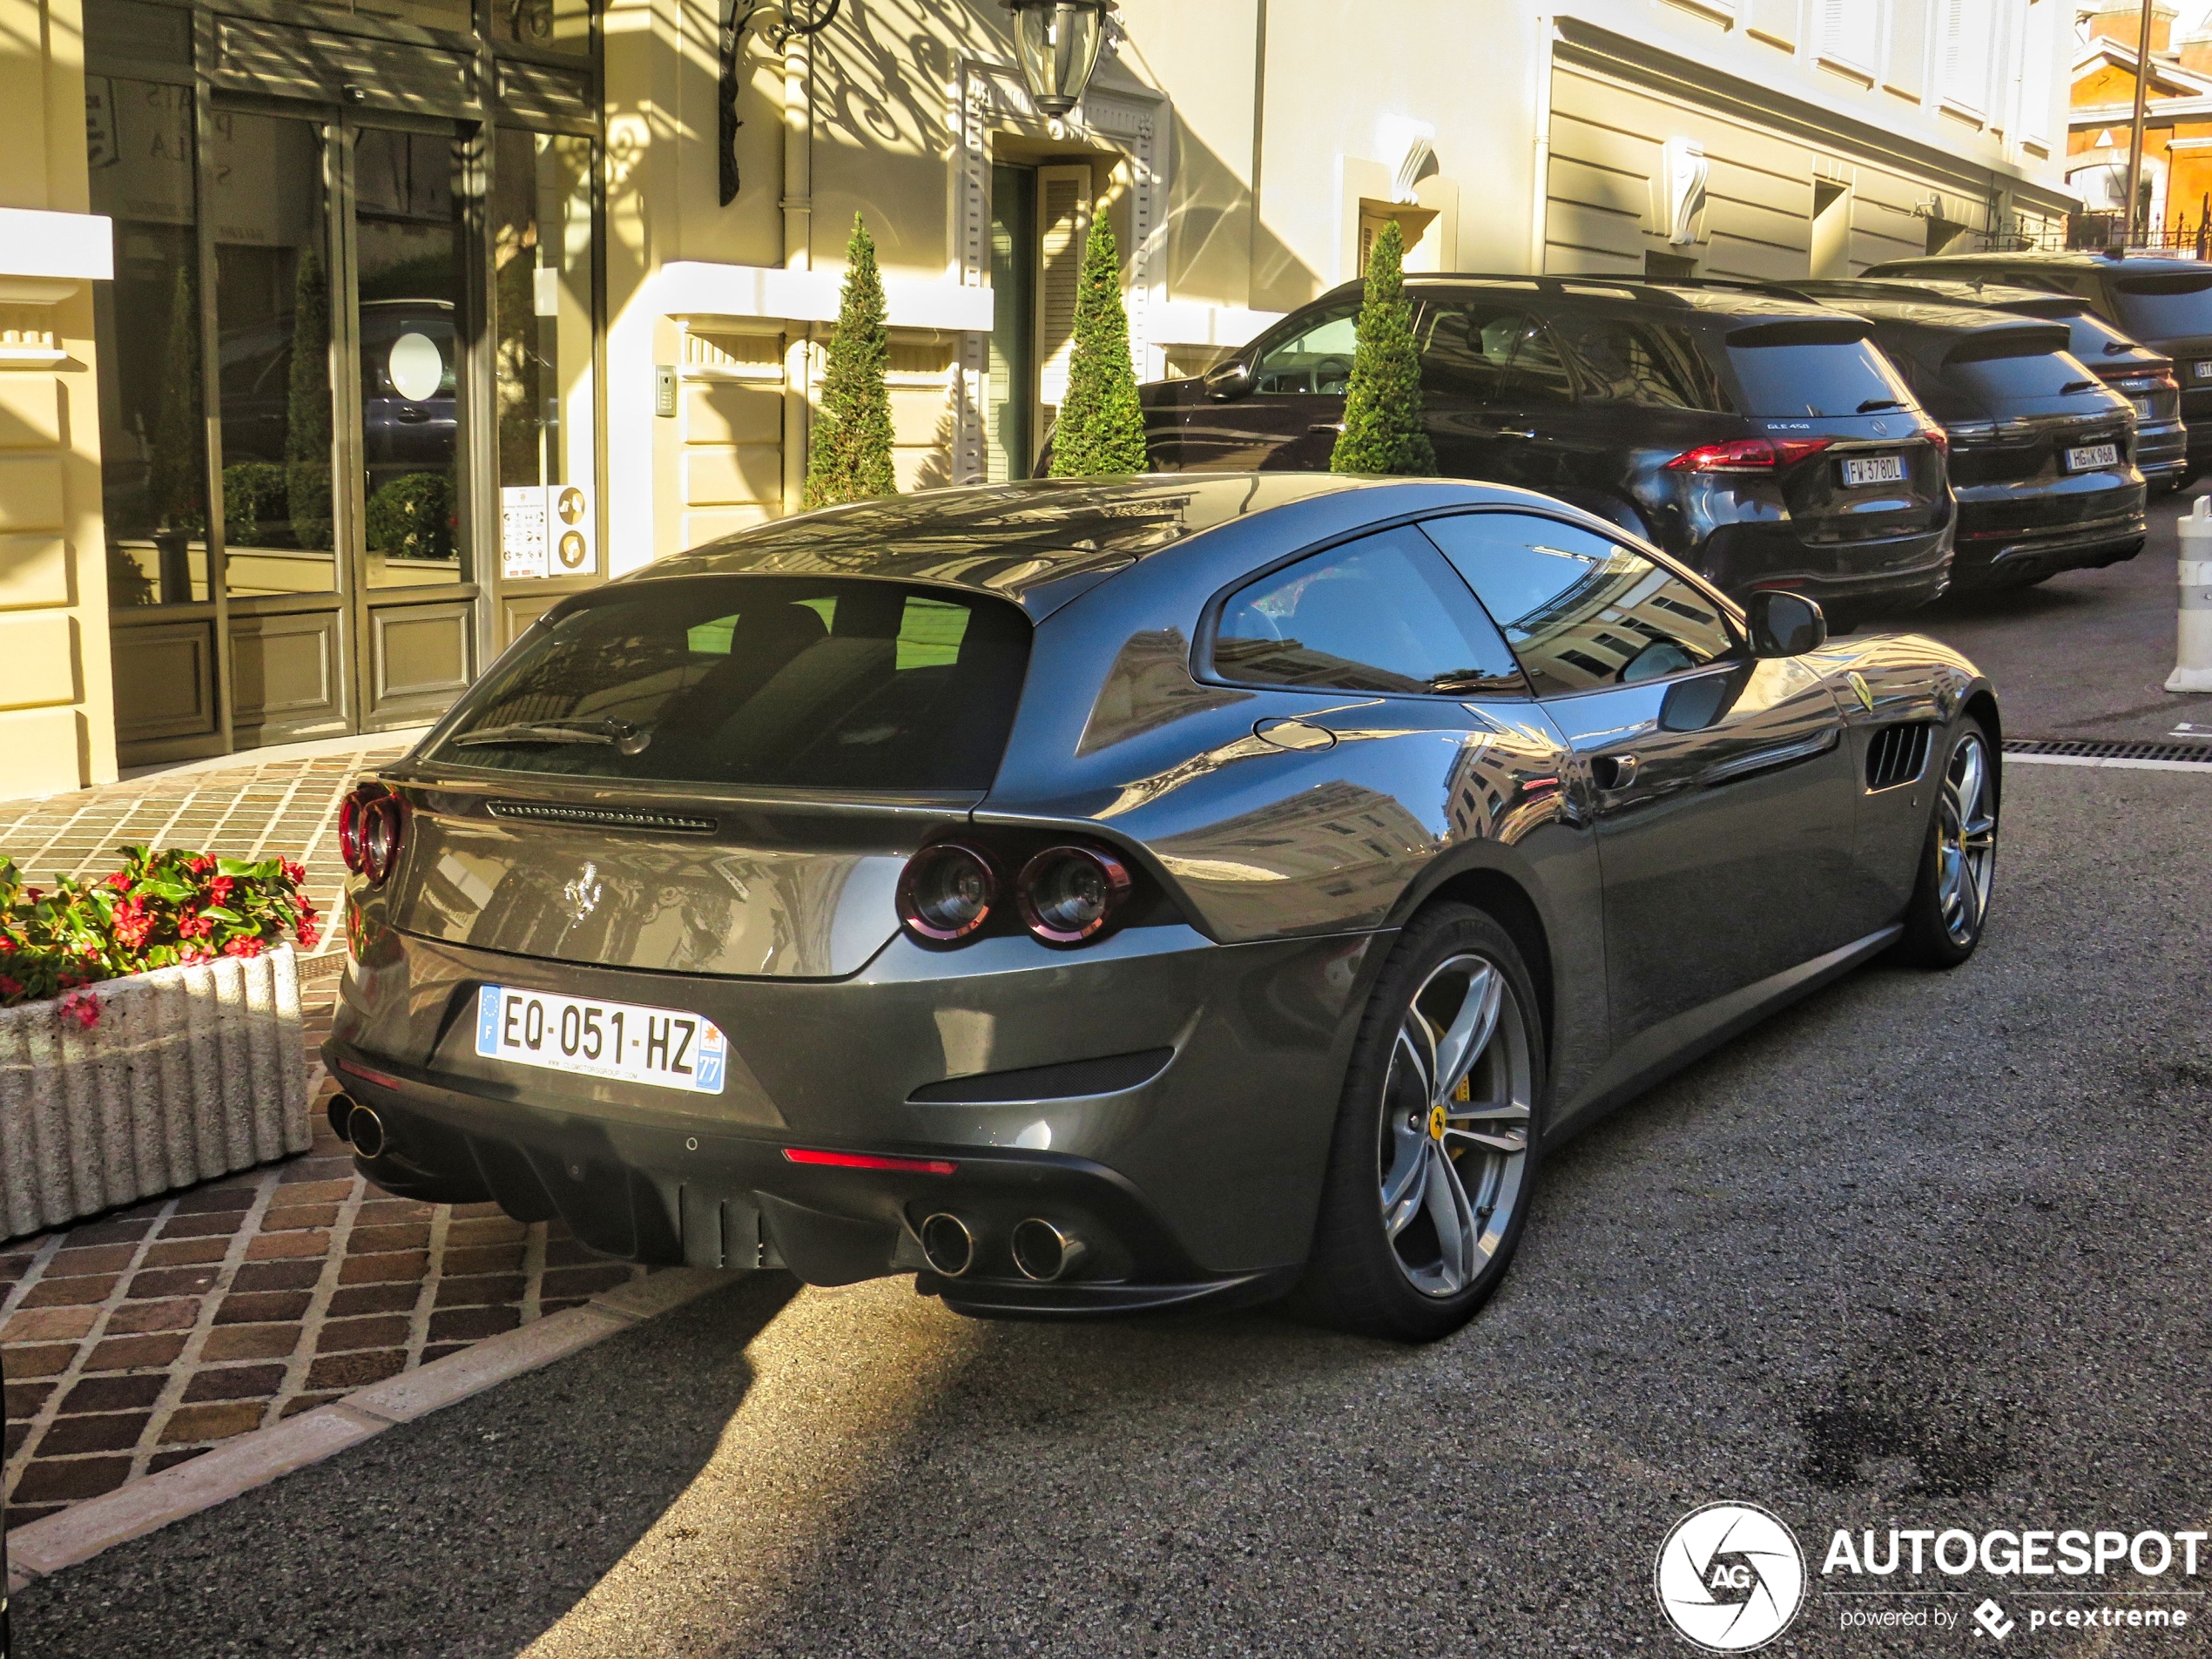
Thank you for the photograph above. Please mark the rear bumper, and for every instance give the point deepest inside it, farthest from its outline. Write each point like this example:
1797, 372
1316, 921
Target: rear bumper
1193, 1169
2002, 555
668, 1192
1893, 573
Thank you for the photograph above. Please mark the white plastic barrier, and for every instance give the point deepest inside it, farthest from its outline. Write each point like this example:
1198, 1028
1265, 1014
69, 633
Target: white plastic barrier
2192, 656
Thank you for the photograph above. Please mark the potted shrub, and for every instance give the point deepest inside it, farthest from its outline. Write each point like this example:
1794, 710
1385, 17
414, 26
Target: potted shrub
149, 1034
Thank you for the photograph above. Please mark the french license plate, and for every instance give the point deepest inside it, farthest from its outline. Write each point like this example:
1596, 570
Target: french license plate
665, 1047
1874, 470
2090, 456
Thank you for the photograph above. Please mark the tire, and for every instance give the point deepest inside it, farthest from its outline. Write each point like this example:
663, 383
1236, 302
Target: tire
1400, 1151
1950, 904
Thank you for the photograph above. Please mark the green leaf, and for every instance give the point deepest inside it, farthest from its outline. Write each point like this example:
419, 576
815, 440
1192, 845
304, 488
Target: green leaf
216, 913
235, 867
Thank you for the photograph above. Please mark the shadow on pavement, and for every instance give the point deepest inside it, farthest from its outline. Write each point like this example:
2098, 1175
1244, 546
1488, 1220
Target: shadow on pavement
468, 1532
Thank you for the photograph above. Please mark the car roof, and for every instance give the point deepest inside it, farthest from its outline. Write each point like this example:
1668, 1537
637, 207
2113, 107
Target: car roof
1020, 540
1944, 322
1720, 298
1957, 291
2031, 258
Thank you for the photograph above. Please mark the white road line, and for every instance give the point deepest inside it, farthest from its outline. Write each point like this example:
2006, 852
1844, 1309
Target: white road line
2202, 768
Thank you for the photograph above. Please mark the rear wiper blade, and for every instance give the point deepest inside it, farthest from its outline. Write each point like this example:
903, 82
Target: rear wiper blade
2114, 347
2072, 387
619, 735
1874, 403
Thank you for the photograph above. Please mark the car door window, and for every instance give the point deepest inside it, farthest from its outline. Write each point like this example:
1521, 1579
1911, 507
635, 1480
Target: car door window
1579, 609
1654, 366
1381, 614
1490, 352
1317, 358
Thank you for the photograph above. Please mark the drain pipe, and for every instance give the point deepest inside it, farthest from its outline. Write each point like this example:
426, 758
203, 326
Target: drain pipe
798, 204
2193, 655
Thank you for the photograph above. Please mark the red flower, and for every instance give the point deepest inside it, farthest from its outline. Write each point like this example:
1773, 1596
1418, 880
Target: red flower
246, 945
307, 933
34, 893
7, 943
295, 874
193, 926
220, 890
120, 880
10, 986
200, 865
190, 953
84, 1008
132, 923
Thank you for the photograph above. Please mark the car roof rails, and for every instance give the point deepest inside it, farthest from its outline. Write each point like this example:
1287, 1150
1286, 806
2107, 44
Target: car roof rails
1744, 285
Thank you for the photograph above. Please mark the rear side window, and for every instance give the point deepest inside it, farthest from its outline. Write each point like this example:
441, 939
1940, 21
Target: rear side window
1381, 614
2162, 307
783, 681
1656, 365
1491, 354
1579, 609
1820, 378
1316, 359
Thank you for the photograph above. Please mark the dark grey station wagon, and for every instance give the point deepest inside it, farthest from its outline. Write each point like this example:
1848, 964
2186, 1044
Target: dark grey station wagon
1111, 895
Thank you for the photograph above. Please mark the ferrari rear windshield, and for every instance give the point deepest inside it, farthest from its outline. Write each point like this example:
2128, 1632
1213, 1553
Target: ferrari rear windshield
785, 681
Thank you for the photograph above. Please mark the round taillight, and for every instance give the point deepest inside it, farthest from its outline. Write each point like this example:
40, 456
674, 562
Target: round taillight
349, 830
947, 891
1070, 894
383, 822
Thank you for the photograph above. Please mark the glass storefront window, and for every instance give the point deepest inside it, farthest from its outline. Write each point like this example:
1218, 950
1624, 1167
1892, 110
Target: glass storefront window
407, 248
542, 291
273, 305
551, 26
154, 468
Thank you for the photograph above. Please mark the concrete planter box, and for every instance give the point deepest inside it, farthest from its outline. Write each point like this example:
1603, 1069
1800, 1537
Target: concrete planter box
190, 1073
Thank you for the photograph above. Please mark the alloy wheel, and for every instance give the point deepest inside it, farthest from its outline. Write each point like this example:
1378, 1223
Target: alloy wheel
1456, 1115
1966, 846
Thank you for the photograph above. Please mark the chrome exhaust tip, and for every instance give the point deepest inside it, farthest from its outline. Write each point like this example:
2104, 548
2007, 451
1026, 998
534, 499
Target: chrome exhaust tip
365, 1132
947, 1245
340, 1109
1043, 1252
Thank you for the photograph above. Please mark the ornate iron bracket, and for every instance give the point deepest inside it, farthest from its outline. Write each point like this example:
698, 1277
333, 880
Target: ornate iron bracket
796, 19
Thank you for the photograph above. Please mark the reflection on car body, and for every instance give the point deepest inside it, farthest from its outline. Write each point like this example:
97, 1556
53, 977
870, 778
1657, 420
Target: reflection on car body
1126, 894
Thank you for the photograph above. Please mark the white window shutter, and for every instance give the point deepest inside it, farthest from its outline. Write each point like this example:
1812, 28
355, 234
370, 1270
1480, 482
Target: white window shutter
1063, 220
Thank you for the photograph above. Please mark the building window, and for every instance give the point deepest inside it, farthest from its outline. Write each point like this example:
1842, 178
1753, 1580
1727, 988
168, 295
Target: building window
152, 391
1966, 53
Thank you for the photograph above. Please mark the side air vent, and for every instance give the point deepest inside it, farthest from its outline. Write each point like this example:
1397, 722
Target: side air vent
1896, 754
604, 818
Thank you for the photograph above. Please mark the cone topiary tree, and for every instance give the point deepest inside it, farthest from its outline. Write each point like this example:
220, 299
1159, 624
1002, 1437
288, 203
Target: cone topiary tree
849, 458
1102, 426
1383, 428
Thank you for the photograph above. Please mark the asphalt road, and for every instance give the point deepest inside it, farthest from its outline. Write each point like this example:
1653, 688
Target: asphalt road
1925, 1251
2086, 654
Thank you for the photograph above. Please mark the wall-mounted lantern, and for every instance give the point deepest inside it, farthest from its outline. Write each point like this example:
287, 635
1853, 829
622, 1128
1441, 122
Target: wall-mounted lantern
792, 18
1058, 42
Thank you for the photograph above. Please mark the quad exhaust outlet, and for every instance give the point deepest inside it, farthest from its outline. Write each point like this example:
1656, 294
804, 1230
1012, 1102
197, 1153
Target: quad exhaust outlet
1043, 1252
947, 1245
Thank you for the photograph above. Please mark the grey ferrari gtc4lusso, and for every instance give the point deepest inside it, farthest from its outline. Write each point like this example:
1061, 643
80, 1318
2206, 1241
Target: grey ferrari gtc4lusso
1111, 895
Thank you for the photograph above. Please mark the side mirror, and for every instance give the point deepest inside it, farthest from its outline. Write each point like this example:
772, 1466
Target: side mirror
1786, 623
1229, 379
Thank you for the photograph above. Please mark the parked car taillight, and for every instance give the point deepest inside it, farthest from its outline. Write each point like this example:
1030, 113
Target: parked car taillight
1936, 435
1069, 895
372, 822
1747, 454
947, 892
1070, 892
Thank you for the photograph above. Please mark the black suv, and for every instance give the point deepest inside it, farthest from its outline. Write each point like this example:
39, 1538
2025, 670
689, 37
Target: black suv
2040, 448
2164, 303
1762, 439
2144, 377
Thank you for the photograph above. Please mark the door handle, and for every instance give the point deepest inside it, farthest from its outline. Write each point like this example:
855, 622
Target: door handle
411, 414
1613, 772
1513, 432
1326, 426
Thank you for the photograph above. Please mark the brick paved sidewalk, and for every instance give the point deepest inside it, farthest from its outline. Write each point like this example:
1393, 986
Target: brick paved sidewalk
141, 1339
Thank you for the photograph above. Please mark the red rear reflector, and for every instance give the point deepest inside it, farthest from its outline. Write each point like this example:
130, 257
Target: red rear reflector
1790, 451
1738, 455
368, 1076
869, 1161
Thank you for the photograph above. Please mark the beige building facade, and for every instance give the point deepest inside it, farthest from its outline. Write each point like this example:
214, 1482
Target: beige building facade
354, 335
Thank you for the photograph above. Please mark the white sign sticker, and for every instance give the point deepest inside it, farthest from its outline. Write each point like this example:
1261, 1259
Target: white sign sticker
522, 532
